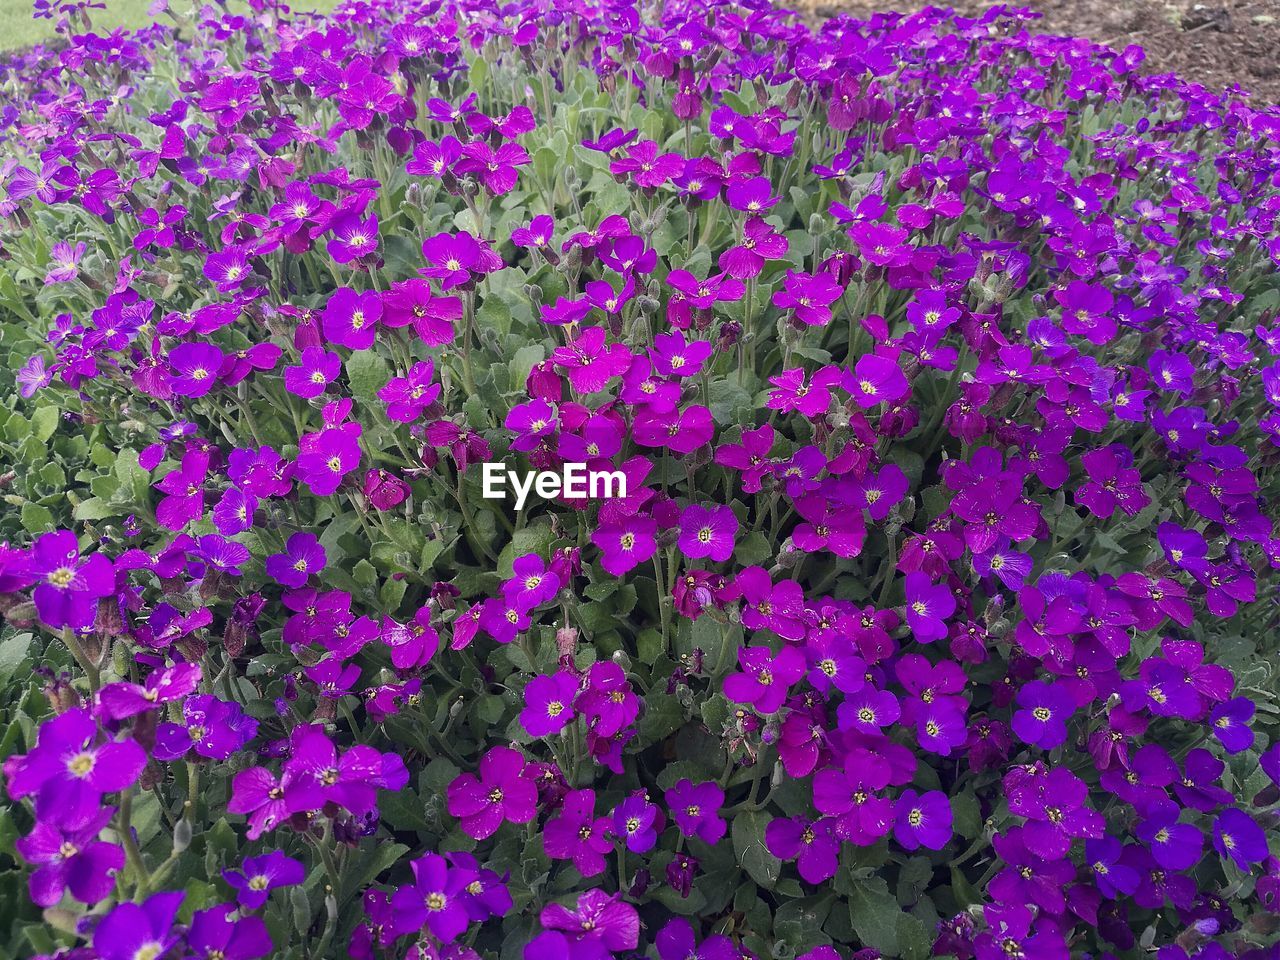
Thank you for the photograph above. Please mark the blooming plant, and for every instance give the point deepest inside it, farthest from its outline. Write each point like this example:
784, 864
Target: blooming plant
936, 614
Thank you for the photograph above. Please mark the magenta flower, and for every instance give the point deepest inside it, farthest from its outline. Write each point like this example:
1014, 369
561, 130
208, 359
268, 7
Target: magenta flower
765, 678
453, 258
758, 244
577, 834
673, 356
645, 167
496, 169
316, 369
601, 921
165, 685
408, 396
499, 792
626, 544
707, 532
537, 235
549, 704
183, 502
268, 802
350, 319
810, 296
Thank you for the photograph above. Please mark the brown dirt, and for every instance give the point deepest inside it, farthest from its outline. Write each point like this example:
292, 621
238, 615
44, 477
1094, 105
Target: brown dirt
1217, 43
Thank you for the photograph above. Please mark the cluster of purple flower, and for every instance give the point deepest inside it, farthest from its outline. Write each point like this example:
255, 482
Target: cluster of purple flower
941, 363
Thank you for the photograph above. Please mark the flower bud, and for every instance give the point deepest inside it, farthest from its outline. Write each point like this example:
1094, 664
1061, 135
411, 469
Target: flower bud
181, 835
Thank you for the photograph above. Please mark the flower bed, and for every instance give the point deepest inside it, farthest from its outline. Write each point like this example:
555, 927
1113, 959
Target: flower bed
927, 607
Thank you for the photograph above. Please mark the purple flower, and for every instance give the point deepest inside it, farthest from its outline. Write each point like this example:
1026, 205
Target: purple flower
326, 457
549, 704
227, 269
67, 591
707, 532
812, 844
258, 876
214, 935
64, 261
928, 606
1238, 836
434, 900
353, 238
133, 930
1230, 724
303, 556
193, 368
68, 855
70, 767
922, 820
500, 792
637, 822
676, 941
211, 727
875, 380
350, 319
1041, 719
695, 809
1174, 845
316, 369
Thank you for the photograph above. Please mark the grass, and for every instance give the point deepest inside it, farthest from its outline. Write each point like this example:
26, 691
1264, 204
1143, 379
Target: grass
19, 29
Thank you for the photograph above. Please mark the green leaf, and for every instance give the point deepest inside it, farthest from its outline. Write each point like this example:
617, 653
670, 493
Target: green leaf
525, 359
748, 843
44, 422
367, 373
799, 922
35, 518
874, 913
753, 549
13, 653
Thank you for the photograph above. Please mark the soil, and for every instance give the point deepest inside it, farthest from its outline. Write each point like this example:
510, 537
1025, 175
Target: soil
1217, 43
